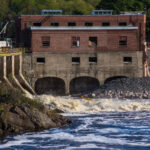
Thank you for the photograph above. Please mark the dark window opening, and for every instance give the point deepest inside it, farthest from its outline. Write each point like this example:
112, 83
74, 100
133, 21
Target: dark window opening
105, 24
75, 41
54, 24
41, 60
93, 59
71, 24
76, 59
92, 42
25, 25
88, 24
127, 59
123, 41
37, 24
45, 41
122, 23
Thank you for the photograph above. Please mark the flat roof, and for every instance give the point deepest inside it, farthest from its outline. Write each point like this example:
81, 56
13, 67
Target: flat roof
89, 15
84, 28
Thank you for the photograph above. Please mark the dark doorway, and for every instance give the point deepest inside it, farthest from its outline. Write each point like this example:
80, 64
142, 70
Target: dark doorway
114, 78
83, 84
50, 85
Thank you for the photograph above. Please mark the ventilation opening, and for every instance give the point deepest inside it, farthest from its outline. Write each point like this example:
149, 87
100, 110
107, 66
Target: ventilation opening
122, 23
37, 24
71, 24
40, 60
55, 24
88, 24
76, 59
93, 59
127, 59
105, 24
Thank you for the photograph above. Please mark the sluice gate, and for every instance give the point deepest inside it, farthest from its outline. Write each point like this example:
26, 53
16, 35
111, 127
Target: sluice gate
11, 71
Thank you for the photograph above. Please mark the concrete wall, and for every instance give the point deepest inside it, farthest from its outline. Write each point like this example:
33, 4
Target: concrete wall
60, 65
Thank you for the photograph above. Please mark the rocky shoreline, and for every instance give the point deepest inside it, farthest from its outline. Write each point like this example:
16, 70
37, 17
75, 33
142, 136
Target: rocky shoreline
19, 114
123, 88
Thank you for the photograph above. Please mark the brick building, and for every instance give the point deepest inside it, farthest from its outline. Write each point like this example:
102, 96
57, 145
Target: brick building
72, 53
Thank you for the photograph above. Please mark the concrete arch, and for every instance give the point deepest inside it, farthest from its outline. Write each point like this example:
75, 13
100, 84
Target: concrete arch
82, 84
50, 85
114, 78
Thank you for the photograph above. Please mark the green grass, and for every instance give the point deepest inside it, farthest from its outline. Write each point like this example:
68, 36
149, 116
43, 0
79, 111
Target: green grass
15, 97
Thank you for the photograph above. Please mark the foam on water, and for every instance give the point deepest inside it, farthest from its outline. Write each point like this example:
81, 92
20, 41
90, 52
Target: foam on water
113, 130
86, 105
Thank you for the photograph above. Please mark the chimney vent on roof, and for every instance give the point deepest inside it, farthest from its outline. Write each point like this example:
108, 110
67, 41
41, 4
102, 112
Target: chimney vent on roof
51, 12
101, 12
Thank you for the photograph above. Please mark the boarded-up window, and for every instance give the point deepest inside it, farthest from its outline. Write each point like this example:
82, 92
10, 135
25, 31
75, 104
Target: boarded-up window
92, 42
75, 41
45, 41
123, 41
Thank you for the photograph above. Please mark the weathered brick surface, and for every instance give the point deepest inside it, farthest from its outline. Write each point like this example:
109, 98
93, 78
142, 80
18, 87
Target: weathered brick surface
60, 41
135, 38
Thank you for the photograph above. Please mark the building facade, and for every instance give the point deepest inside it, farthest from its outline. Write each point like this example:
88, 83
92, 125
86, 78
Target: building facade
70, 54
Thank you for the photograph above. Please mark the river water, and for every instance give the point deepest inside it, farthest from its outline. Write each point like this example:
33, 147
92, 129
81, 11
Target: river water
106, 124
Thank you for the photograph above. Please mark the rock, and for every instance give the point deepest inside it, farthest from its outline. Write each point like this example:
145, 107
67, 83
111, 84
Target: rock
130, 88
20, 119
39, 119
13, 123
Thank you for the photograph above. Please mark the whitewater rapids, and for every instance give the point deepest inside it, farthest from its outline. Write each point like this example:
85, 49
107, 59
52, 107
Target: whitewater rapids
87, 105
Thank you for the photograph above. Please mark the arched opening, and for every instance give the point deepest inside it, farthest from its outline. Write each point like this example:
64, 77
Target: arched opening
82, 84
114, 78
50, 85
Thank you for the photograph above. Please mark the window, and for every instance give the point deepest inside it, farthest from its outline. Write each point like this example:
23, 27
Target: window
88, 24
37, 24
127, 59
41, 60
54, 24
75, 41
25, 25
76, 59
45, 41
92, 42
105, 24
123, 41
122, 23
93, 59
71, 24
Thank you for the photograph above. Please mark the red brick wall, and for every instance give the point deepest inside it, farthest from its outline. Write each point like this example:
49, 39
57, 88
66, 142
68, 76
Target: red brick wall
60, 41
136, 39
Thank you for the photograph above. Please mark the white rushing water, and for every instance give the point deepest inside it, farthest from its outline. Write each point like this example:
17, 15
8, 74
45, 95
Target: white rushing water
88, 105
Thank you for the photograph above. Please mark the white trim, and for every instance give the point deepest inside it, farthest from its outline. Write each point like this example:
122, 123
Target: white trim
84, 28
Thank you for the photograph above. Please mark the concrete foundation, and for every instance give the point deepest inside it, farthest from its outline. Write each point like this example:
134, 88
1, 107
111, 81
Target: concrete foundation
83, 75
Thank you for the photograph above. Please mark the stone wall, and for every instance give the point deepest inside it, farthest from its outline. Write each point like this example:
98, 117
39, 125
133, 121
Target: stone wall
60, 65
